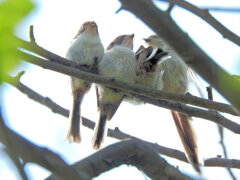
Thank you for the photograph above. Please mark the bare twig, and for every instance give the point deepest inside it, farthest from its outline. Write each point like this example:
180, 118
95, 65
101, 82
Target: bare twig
221, 133
206, 16
222, 162
31, 35
10, 148
209, 91
222, 9
170, 8
165, 27
117, 134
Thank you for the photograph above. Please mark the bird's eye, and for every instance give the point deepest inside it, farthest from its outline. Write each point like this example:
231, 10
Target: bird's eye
86, 25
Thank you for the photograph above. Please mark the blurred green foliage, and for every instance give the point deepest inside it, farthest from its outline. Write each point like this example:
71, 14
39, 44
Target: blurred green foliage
237, 77
11, 12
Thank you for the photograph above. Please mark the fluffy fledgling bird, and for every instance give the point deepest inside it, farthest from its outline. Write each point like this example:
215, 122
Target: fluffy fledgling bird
87, 50
118, 62
172, 76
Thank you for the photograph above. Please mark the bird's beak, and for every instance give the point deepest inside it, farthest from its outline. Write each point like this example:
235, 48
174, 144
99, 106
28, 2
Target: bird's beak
92, 25
129, 41
131, 36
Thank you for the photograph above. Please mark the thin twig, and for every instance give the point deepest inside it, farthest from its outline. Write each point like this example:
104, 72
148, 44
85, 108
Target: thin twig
11, 149
221, 9
170, 7
221, 133
31, 35
206, 16
209, 91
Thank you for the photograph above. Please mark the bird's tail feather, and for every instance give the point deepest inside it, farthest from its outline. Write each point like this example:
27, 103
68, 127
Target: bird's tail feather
73, 134
187, 136
99, 131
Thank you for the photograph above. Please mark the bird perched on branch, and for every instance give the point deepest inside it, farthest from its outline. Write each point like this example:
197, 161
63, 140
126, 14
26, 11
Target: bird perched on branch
118, 62
147, 70
173, 77
87, 50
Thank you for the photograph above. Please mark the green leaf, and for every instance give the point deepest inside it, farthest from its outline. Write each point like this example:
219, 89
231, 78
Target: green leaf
11, 12
237, 77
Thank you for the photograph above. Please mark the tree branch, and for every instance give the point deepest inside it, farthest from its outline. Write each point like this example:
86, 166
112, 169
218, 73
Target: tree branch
130, 152
166, 28
221, 162
116, 133
30, 152
206, 16
136, 89
195, 112
116, 84
10, 149
221, 133
223, 9
173, 153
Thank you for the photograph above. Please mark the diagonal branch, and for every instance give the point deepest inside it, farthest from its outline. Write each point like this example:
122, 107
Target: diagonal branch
10, 148
165, 27
133, 88
116, 84
136, 89
116, 133
206, 16
195, 112
30, 152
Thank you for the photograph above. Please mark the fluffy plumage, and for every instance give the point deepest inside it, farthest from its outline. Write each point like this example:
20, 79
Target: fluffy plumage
86, 50
119, 62
173, 77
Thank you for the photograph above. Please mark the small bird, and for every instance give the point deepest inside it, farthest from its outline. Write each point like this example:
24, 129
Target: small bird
147, 70
173, 77
87, 50
118, 62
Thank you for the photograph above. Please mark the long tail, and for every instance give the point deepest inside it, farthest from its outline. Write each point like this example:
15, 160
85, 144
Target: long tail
108, 104
187, 137
99, 131
73, 134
